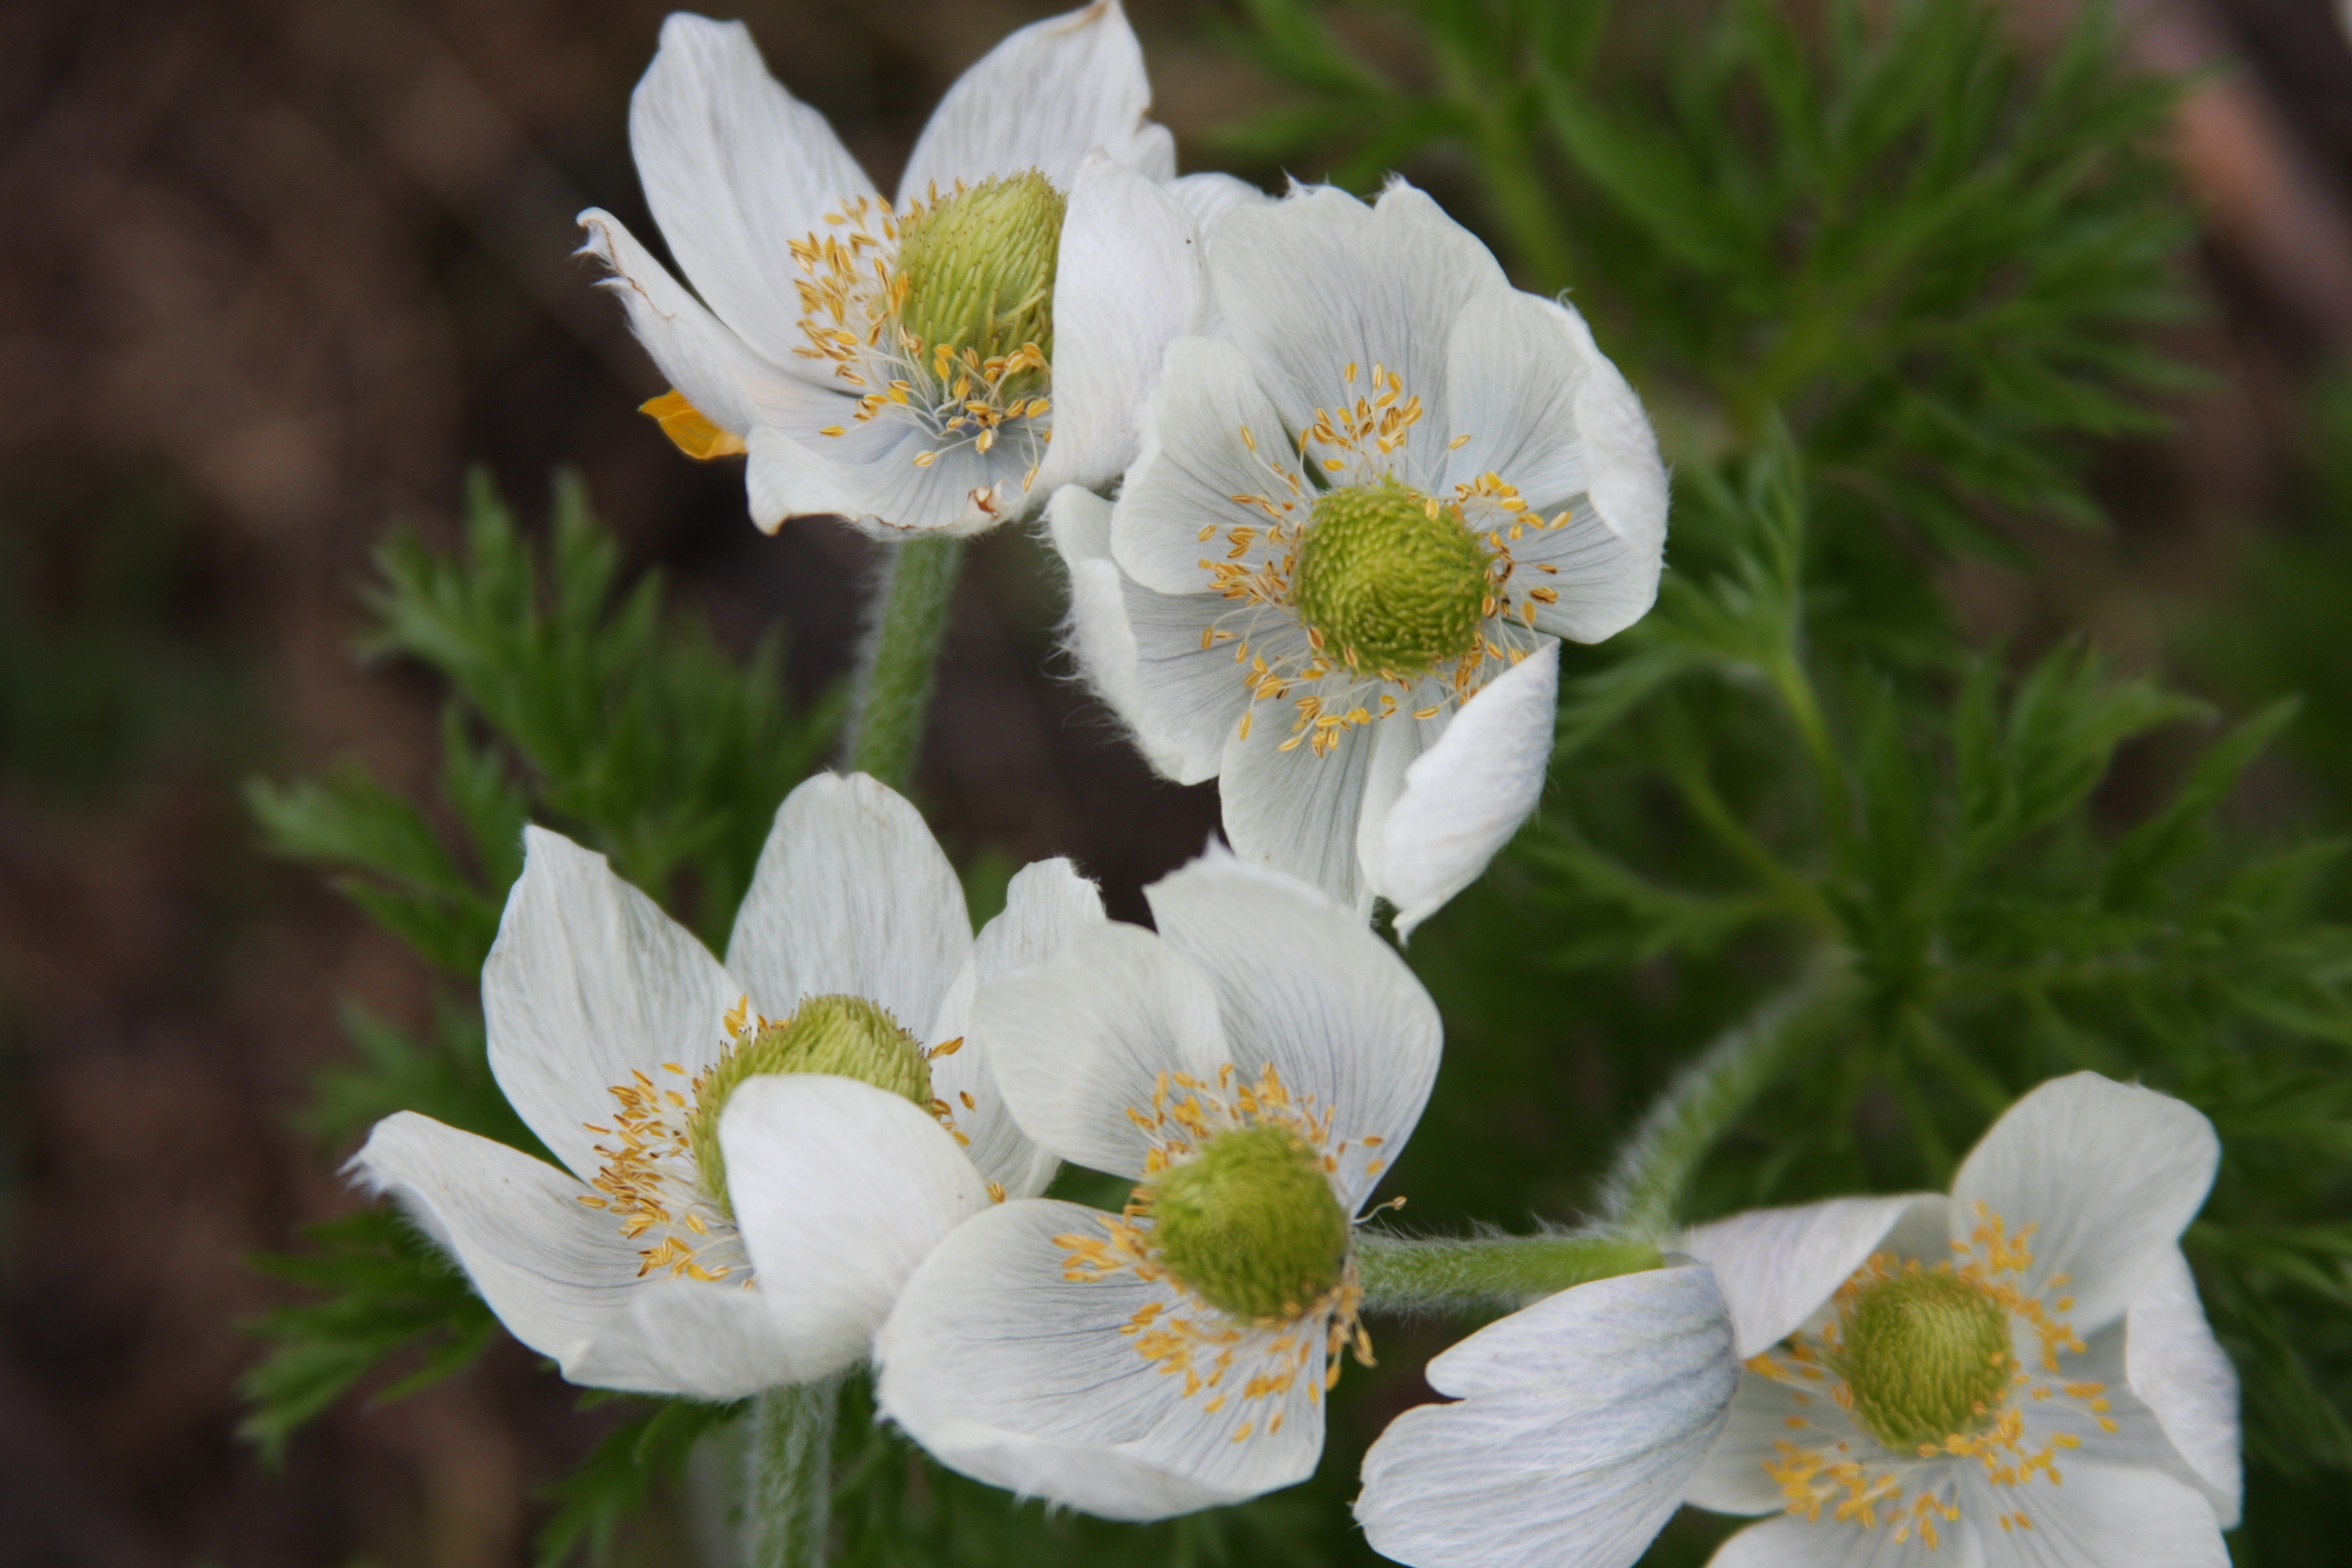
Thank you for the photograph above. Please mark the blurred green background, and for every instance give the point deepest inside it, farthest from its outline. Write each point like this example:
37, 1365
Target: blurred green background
282, 270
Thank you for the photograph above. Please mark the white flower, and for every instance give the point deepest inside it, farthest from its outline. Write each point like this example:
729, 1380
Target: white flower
1369, 502
742, 1196
1254, 1068
2016, 1375
905, 364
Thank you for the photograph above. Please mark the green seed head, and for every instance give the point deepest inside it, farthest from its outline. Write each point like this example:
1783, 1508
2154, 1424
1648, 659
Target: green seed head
1390, 578
1250, 1224
1926, 1356
980, 268
847, 1036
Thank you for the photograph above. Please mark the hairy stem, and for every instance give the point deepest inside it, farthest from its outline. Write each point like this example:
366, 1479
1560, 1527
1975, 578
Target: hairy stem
1653, 1173
906, 619
787, 1498
1399, 1274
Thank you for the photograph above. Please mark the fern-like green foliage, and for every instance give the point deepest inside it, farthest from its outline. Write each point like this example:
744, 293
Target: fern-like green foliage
1936, 260
575, 702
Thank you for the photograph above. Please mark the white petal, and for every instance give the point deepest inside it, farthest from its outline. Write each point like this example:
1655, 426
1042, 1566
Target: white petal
1046, 906
1581, 1420
2180, 1370
1042, 100
735, 169
1078, 1041
558, 1274
1295, 811
1129, 281
2109, 1173
1210, 196
1318, 281
1734, 1478
1303, 984
1545, 412
2101, 1518
840, 1189
1008, 1372
1195, 460
725, 382
1141, 651
709, 1342
1790, 1543
875, 486
852, 898
1777, 1267
1077, 520
587, 983
1467, 795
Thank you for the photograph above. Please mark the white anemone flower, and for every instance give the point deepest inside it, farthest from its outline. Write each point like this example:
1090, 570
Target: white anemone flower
741, 1196
2016, 1375
906, 363
1372, 496
1253, 1068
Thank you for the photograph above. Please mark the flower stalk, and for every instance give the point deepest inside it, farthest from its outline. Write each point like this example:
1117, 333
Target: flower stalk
1452, 1274
906, 621
1653, 1171
788, 1495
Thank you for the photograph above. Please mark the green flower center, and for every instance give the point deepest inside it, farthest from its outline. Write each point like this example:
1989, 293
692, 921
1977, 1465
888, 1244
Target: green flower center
979, 268
1391, 579
846, 1036
1926, 1356
1250, 1224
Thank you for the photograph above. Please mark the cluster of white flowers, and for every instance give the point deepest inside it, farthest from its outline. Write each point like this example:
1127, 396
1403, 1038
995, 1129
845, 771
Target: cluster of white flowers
1360, 488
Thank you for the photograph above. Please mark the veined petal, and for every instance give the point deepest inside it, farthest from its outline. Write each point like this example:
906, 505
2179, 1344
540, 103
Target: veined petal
1545, 412
852, 897
1792, 1543
1129, 281
1734, 1479
1047, 905
1042, 100
876, 485
1777, 1267
2102, 1517
558, 1274
1210, 196
1077, 520
2175, 1364
1295, 811
2109, 1174
1318, 281
736, 169
587, 983
1581, 1419
1467, 793
1301, 982
692, 348
1197, 458
1078, 1041
840, 1189
713, 1342
1178, 714
1010, 1373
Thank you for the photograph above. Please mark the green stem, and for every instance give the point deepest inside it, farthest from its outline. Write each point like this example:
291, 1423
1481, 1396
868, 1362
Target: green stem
1653, 1173
788, 1495
1401, 1274
906, 619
